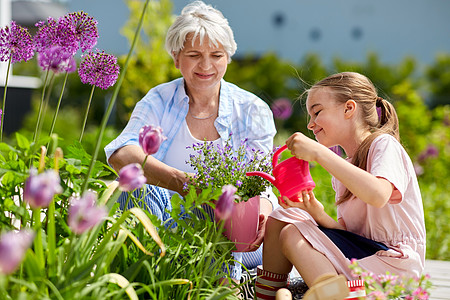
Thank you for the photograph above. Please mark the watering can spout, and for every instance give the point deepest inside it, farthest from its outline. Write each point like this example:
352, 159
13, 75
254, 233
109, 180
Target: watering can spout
263, 175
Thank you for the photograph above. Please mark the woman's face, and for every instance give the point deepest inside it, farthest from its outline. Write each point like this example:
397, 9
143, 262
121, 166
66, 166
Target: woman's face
202, 66
326, 117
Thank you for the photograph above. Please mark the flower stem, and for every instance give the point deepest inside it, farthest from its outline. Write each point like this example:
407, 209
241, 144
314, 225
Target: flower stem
4, 99
112, 101
51, 235
38, 248
35, 136
58, 105
87, 112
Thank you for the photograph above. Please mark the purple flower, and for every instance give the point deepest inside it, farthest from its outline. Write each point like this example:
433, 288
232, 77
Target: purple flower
431, 151
82, 27
40, 188
13, 246
225, 204
52, 34
57, 59
151, 138
15, 44
99, 69
131, 177
282, 108
83, 214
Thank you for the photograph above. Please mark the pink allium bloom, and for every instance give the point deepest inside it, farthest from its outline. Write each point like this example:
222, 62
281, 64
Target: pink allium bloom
13, 246
53, 34
282, 108
57, 59
40, 188
151, 138
99, 69
225, 204
82, 27
15, 44
84, 214
131, 177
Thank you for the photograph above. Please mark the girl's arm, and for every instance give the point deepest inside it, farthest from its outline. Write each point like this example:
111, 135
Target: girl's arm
367, 187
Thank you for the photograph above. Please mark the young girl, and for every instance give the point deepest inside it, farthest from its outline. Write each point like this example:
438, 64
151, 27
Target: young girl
379, 206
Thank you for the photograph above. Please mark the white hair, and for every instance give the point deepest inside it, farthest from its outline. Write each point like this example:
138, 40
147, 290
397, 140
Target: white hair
203, 21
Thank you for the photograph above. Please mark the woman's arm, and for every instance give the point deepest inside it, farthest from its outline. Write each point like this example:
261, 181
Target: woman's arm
156, 172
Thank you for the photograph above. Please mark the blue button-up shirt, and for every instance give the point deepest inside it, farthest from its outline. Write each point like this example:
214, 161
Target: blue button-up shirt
241, 114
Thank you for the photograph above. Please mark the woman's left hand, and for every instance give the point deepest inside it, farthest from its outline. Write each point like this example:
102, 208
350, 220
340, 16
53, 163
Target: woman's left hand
260, 234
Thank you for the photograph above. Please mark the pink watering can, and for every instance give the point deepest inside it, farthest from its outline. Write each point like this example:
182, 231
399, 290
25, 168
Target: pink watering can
290, 176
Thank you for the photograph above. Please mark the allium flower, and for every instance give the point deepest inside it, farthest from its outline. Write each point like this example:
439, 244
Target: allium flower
15, 44
40, 188
431, 151
57, 59
282, 108
83, 214
82, 27
13, 246
225, 204
131, 177
52, 34
151, 138
99, 69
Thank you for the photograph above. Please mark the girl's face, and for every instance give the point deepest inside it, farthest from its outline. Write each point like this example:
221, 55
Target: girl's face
326, 117
202, 66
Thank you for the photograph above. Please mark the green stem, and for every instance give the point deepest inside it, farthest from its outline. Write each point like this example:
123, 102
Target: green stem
87, 112
112, 101
35, 136
51, 235
45, 105
58, 105
38, 248
4, 99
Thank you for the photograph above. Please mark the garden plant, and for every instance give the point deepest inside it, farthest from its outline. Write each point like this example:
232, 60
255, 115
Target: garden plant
62, 235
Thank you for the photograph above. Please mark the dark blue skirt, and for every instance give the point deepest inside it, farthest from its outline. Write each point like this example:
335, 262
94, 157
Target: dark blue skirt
353, 245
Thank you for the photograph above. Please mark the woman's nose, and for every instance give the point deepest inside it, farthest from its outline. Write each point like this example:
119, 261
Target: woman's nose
205, 63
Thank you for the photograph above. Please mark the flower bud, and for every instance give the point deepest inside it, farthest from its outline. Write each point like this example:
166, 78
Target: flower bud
13, 246
225, 204
40, 188
83, 214
131, 177
150, 138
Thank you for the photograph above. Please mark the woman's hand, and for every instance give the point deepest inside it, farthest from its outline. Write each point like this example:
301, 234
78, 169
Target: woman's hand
260, 235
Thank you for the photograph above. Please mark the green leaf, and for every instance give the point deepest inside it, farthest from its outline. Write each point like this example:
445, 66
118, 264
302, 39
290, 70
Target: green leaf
22, 141
31, 265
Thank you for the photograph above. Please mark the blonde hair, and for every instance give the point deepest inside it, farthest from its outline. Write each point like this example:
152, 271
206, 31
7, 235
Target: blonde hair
378, 114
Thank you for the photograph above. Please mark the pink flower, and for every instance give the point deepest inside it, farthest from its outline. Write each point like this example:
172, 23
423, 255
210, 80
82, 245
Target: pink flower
83, 214
131, 177
151, 138
16, 43
13, 246
282, 108
420, 294
99, 69
225, 204
41, 188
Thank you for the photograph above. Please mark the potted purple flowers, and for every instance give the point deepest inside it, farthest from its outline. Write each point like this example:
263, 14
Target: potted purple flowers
222, 167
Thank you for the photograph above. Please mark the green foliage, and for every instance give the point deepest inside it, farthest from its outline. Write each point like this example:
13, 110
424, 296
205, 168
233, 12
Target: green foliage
438, 81
150, 64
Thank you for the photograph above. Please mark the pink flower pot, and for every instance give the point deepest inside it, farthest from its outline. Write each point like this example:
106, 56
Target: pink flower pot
242, 227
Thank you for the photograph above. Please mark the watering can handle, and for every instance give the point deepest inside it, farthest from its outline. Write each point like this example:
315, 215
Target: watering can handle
276, 154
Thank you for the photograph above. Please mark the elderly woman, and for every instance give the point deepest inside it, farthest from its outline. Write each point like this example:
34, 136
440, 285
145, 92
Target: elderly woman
197, 107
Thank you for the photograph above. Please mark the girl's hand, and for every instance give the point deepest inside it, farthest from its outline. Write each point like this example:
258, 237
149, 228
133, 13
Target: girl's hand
303, 147
307, 202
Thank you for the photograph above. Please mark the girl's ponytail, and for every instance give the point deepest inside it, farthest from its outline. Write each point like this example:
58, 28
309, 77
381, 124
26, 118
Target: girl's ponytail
388, 120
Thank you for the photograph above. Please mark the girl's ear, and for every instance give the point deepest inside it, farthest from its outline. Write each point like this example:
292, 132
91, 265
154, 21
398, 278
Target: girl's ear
349, 108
